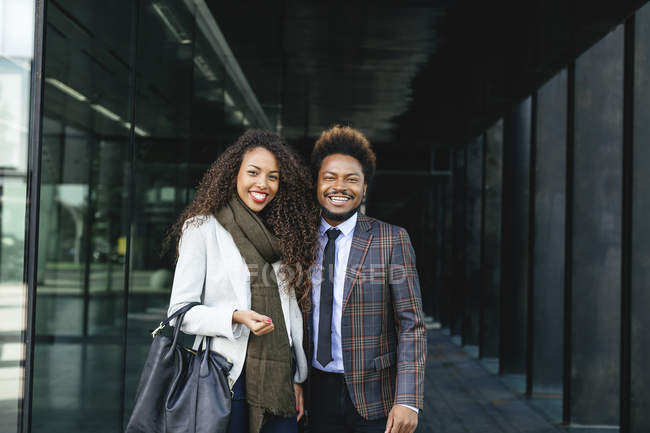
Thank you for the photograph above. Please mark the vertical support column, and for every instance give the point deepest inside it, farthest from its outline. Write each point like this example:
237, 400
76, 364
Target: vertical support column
491, 241
439, 212
433, 213
515, 233
448, 276
626, 268
443, 291
549, 228
596, 234
639, 268
473, 197
458, 264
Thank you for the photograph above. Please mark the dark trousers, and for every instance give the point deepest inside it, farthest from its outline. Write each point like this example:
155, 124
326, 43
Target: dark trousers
331, 409
239, 414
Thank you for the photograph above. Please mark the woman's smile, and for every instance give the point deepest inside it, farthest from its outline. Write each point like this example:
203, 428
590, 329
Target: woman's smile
258, 196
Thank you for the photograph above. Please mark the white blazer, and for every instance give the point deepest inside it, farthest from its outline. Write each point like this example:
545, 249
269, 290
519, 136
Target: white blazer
210, 264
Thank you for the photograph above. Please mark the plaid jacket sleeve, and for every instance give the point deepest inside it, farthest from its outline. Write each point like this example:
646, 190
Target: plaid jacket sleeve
407, 306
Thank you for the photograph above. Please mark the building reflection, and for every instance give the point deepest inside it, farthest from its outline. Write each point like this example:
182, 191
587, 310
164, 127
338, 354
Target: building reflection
16, 53
131, 119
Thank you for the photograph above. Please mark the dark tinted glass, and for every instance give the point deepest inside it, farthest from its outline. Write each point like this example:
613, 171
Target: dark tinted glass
139, 98
84, 218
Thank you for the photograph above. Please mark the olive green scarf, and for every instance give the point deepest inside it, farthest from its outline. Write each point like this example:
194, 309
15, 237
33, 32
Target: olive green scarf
269, 381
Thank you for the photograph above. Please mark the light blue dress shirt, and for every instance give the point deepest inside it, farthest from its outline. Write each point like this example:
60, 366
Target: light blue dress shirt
343, 245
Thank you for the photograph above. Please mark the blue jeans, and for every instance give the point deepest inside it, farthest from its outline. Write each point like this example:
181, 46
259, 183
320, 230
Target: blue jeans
239, 414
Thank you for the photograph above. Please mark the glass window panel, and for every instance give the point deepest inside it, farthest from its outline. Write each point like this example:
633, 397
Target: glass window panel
191, 112
16, 53
182, 121
161, 170
83, 217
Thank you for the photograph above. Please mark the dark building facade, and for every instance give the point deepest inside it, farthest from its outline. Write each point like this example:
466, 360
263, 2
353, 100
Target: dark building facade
562, 276
512, 150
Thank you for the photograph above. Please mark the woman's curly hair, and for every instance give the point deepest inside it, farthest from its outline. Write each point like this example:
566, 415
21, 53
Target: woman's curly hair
292, 215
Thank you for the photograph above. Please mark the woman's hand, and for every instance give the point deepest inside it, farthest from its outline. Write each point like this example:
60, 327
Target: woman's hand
300, 401
256, 322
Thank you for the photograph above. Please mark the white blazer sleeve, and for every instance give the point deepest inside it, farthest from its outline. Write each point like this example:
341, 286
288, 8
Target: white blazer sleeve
296, 336
189, 280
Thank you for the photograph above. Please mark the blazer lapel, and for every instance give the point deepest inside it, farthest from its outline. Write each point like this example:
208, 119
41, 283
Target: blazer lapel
360, 244
233, 263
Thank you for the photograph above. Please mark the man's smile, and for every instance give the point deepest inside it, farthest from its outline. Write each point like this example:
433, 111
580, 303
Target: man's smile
339, 199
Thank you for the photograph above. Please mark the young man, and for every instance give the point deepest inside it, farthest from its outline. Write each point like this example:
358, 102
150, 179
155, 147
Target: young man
368, 343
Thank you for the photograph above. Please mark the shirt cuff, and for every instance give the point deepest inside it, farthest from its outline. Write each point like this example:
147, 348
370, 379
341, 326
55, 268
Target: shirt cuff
414, 409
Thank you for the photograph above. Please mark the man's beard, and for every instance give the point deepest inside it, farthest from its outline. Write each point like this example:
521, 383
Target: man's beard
340, 217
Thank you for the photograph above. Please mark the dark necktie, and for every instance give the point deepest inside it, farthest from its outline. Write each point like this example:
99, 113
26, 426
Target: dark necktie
324, 352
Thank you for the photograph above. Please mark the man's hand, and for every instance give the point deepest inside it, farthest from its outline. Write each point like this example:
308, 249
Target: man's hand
401, 419
300, 401
256, 322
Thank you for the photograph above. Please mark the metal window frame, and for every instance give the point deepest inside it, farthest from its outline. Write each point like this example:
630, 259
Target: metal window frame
33, 211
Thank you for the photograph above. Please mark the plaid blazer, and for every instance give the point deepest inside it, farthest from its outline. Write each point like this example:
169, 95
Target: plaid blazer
382, 325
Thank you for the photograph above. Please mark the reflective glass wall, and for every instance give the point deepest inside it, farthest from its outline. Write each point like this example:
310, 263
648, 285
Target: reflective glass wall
84, 191
131, 119
16, 56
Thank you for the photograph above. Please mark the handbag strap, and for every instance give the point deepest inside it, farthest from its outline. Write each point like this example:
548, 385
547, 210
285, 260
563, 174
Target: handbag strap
180, 312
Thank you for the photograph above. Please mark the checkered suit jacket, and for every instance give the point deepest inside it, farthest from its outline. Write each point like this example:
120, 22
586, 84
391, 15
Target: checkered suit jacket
382, 326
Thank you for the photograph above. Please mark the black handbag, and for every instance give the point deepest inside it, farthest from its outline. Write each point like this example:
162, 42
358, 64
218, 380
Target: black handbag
181, 390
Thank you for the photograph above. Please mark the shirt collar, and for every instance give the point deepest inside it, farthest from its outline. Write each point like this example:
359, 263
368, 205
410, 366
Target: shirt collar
346, 226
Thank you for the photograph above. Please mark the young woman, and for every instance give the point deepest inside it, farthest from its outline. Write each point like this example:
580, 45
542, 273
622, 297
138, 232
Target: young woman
243, 244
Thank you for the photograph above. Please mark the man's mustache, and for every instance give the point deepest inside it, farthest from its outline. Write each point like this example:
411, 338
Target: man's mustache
345, 193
